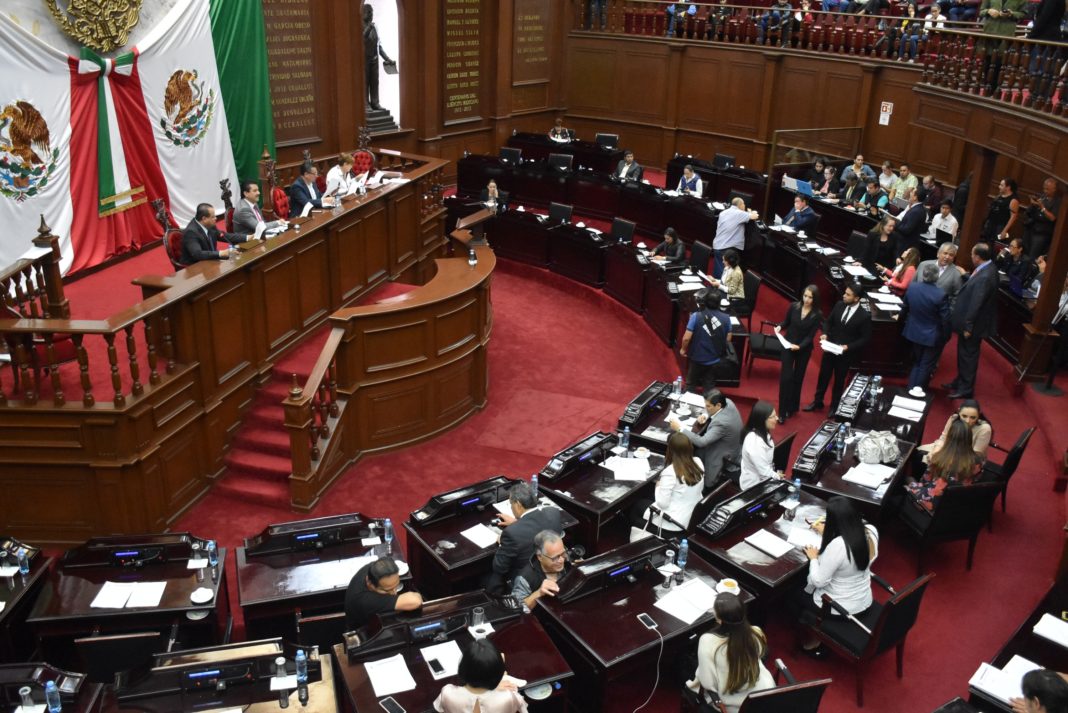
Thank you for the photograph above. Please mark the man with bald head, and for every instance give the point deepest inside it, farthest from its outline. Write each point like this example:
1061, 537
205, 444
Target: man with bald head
730, 232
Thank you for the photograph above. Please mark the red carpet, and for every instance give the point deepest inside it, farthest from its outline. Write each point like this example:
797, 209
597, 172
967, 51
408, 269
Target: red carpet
553, 338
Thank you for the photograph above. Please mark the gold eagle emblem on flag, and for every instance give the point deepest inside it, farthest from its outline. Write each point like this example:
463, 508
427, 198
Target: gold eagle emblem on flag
27, 159
188, 109
103, 25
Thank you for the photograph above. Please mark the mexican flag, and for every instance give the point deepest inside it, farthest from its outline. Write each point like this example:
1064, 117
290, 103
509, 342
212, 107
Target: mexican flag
90, 141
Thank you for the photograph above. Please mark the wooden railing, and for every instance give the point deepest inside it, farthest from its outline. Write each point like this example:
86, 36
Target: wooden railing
1026, 73
33, 286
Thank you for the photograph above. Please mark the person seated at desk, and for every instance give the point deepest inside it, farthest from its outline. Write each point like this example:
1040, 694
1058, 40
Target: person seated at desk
628, 169
732, 281
848, 326
801, 217
887, 177
827, 186
486, 687
758, 447
720, 446
931, 192
799, 329
678, 490
899, 279
851, 190
730, 232
858, 168
943, 220
1019, 268
671, 250
815, 174
373, 590
925, 313
517, 539
538, 579
880, 246
971, 416
247, 215
690, 183
303, 191
339, 179
955, 463
559, 134
1044, 691
873, 200
906, 182
493, 198
200, 236
729, 658
705, 343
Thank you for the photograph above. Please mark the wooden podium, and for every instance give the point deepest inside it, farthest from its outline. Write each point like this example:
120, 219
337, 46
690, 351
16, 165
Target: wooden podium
469, 230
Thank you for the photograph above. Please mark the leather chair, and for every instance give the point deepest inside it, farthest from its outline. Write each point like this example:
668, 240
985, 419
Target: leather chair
363, 161
622, 230
960, 514
280, 202
863, 637
764, 345
323, 630
1001, 473
700, 254
857, 246
560, 213
752, 282
793, 697
172, 244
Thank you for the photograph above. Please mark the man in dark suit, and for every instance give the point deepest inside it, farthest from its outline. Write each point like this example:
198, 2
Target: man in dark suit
911, 222
200, 236
303, 191
628, 169
926, 315
247, 215
517, 539
973, 320
849, 326
800, 217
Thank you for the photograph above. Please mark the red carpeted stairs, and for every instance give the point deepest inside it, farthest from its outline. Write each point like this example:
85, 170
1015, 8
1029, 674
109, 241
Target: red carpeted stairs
259, 464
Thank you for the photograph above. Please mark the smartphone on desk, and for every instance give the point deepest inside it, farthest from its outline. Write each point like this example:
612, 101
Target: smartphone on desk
390, 705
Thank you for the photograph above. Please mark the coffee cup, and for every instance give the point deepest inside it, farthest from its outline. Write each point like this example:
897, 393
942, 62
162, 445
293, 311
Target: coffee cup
730, 586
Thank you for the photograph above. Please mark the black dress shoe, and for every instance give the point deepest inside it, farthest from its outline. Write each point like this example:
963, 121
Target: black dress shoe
812, 406
950, 386
959, 395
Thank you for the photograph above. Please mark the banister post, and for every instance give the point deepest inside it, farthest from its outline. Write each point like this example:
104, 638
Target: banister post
298, 418
58, 306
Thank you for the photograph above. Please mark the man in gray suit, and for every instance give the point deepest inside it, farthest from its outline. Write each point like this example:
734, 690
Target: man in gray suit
247, 214
720, 446
973, 320
949, 281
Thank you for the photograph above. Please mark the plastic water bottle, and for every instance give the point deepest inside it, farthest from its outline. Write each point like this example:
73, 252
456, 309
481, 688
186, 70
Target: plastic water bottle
472, 258
52, 697
534, 484
387, 534
213, 553
302, 666
24, 561
840, 442
624, 440
676, 390
795, 491
684, 552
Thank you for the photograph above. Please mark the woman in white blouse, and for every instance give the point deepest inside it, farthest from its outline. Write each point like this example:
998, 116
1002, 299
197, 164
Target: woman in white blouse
486, 687
728, 657
758, 448
841, 567
339, 179
679, 488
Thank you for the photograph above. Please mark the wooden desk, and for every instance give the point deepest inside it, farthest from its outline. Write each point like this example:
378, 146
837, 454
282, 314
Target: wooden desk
530, 652
876, 417
273, 588
585, 153
720, 183
625, 276
18, 595
757, 571
63, 611
35, 674
603, 640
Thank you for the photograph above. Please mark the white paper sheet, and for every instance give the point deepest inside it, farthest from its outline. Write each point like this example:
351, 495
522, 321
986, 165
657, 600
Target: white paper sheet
856, 271
691, 286
719, 206
907, 414
801, 535
769, 543
782, 340
628, 468
886, 307
910, 404
196, 564
656, 434
870, 475
830, 347
829, 251
307, 210
284, 683
447, 654
260, 227
1052, 628
113, 595
389, 676
884, 297
481, 535
146, 594
690, 278
38, 708
1003, 684
9, 570
2, 605
689, 601
692, 399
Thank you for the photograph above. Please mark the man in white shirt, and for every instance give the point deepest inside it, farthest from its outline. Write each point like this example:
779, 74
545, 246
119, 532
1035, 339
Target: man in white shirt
730, 232
943, 221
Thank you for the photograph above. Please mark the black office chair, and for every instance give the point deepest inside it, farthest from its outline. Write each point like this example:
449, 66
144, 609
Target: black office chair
722, 160
510, 155
763, 345
793, 697
1003, 472
560, 213
104, 656
622, 230
814, 230
747, 197
780, 455
323, 630
700, 254
745, 308
960, 514
857, 246
869, 634
560, 161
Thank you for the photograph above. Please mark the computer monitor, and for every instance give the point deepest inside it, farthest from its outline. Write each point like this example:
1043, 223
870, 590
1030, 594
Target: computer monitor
622, 230
510, 155
559, 213
722, 160
560, 161
609, 141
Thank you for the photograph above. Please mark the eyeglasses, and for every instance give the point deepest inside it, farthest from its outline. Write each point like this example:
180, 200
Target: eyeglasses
554, 558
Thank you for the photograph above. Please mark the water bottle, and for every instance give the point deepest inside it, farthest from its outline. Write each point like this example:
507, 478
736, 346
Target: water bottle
676, 390
213, 553
52, 697
534, 484
24, 561
795, 491
624, 440
387, 534
848, 429
839, 443
302, 666
472, 258
684, 552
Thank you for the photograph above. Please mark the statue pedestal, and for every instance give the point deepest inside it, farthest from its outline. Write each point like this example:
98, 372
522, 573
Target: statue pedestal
380, 121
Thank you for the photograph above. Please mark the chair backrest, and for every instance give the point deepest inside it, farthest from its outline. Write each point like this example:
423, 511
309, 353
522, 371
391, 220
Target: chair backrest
280, 201
747, 197
104, 656
622, 230
700, 254
229, 220
857, 245
722, 160
1012, 459
897, 617
752, 282
811, 232
363, 161
560, 161
780, 456
609, 141
559, 213
323, 630
510, 155
172, 244
796, 698
962, 511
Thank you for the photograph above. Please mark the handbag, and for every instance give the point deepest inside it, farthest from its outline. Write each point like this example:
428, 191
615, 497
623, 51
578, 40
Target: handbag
878, 447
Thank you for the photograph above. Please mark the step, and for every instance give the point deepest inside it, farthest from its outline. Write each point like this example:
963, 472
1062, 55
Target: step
263, 440
264, 465
246, 489
264, 415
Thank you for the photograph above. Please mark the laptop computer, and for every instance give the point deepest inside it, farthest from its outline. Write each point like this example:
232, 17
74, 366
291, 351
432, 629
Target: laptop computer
943, 236
804, 188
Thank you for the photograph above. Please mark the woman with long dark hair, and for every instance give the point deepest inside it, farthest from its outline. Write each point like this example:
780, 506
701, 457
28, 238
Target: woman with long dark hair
841, 566
758, 447
729, 657
799, 327
955, 463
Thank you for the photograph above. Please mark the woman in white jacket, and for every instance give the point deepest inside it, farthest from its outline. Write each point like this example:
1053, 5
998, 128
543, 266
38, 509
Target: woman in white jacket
758, 447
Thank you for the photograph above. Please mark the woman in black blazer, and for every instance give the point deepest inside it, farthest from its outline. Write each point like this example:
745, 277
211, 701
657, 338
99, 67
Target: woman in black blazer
799, 328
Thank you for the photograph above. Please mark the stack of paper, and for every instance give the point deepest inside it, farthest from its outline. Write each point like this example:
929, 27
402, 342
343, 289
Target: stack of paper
9, 570
691, 286
1002, 683
801, 535
830, 347
389, 676
769, 543
146, 594
692, 399
628, 468
689, 601
656, 434
911, 404
885, 297
690, 278
829, 251
481, 535
116, 595
856, 271
907, 414
870, 475
1052, 628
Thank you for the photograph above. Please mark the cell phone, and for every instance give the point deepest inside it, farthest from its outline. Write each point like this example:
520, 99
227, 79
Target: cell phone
390, 705
435, 666
647, 621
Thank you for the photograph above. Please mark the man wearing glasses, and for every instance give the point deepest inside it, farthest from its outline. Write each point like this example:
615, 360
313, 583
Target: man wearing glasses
374, 590
539, 578
528, 518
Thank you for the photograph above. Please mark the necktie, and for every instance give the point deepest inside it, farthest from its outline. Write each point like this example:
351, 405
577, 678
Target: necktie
256, 210
847, 314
